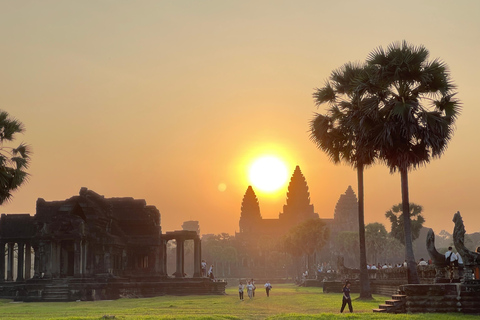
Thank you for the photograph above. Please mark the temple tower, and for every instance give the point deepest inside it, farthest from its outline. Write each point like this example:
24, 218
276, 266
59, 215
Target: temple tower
250, 217
346, 212
298, 207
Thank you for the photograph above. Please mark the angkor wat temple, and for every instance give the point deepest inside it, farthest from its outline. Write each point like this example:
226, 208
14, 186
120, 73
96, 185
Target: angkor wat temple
91, 247
256, 232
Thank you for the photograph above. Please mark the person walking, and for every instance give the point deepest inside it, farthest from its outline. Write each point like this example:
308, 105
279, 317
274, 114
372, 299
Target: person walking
250, 289
254, 288
240, 291
346, 297
268, 287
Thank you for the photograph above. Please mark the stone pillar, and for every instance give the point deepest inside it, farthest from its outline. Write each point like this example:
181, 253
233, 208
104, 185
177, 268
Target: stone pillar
37, 271
164, 258
2, 261
52, 261
197, 258
20, 262
107, 263
10, 262
179, 273
158, 258
84, 257
28, 261
58, 259
77, 258
45, 256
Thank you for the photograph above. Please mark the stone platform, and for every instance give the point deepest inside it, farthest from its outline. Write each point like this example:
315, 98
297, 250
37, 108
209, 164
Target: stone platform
106, 288
442, 297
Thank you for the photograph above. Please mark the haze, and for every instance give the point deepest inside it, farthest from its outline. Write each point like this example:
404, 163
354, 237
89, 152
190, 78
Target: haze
170, 101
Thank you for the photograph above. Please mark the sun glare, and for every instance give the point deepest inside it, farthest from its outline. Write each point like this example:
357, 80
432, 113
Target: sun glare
268, 174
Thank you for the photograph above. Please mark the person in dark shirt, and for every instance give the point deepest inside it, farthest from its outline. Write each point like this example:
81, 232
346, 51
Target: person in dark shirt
346, 297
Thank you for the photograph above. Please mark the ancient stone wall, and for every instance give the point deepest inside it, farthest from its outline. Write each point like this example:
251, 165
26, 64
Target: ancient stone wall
445, 297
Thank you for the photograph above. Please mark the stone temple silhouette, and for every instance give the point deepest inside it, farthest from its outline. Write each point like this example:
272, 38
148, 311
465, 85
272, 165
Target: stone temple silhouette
297, 209
91, 247
256, 233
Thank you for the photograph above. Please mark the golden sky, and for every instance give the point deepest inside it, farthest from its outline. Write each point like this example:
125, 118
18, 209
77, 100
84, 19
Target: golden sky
166, 100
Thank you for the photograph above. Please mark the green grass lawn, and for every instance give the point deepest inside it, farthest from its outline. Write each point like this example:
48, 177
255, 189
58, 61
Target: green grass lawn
285, 302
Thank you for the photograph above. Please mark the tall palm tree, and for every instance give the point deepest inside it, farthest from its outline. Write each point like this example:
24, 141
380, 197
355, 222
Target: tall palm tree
13, 161
416, 103
343, 133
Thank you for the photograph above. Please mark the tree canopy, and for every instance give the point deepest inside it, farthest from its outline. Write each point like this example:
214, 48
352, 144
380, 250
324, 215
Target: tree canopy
395, 215
306, 238
13, 161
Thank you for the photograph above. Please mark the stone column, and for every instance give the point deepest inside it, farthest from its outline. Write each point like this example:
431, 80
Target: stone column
10, 262
84, 257
58, 260
77, 258
164, 258
45, 256
197, 258
179, 273
52, 261
37, 271
20, 262
28, 261
158, 258
2, 261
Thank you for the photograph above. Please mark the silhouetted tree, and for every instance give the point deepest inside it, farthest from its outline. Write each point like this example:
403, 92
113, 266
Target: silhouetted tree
306, 238
395, 215
376, 238
13, 161
417, 109
344, 135
346, 243
219, 250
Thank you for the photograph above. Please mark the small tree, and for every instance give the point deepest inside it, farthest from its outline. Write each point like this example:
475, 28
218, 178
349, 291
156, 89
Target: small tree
395, 215
376, 238
306, 239
13, 161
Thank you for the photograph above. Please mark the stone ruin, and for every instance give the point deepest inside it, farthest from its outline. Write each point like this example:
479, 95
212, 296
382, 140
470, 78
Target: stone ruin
455, 289
91, 247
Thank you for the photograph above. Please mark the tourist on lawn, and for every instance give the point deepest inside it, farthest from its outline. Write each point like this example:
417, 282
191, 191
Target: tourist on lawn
268, 287
346, 297
250, 289
240, 290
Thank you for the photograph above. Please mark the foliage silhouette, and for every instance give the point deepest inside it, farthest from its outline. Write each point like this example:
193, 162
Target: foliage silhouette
13, 161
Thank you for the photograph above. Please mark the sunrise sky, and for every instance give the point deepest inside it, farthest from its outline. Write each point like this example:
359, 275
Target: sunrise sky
172, 101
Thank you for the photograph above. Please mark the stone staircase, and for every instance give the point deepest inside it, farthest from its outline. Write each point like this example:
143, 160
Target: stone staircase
56, 291
395, 305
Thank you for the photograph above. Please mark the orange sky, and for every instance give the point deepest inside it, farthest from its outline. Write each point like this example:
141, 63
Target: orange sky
165, 100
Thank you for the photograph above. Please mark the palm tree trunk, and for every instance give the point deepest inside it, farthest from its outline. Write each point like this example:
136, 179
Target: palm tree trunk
365, 292
412, 274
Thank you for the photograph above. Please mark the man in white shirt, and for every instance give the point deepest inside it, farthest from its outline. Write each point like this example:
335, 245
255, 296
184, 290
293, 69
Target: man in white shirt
450, 256
451, 260
423, 262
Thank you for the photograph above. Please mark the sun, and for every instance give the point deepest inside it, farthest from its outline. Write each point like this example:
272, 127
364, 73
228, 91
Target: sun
268, 174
